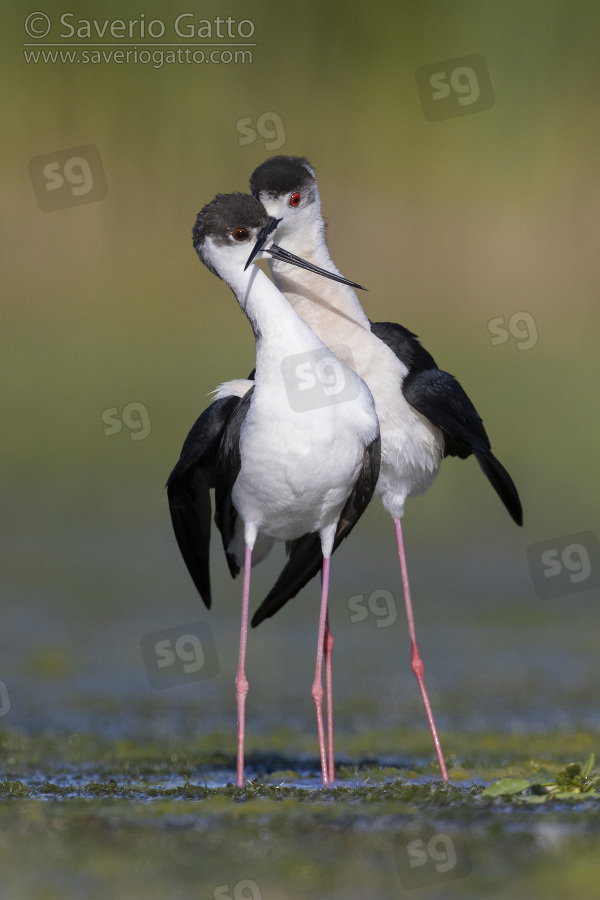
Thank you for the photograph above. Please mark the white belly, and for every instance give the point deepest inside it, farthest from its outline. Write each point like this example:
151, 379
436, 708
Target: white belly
297, 474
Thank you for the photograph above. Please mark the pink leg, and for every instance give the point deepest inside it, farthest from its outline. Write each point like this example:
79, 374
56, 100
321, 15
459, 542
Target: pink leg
328, 647
317, 688
241, 684
416, 661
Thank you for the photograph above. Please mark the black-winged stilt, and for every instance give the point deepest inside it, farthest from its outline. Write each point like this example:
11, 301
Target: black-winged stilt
279, 474
424, 413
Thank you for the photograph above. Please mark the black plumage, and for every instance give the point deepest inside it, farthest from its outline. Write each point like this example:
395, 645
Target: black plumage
439, 397
189, 484
210, 458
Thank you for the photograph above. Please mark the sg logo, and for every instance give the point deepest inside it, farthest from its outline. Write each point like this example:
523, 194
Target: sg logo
521, 326
319, 378
385, 613
269, 126
246, 889
179, 655
455, 87
68, 178
565, 565
5, 703
187, 648
431, 858
135, 416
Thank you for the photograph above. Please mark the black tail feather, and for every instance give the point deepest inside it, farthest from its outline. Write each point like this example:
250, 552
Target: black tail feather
502, 484
305, 562
190, 510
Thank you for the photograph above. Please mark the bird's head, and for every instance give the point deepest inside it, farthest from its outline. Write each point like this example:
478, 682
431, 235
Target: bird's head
227, 229
287, 188
233, 229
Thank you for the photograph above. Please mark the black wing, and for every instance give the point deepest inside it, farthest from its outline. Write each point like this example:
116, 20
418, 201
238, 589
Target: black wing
405, 345
439, 397
305, 553
188, 490
228, 468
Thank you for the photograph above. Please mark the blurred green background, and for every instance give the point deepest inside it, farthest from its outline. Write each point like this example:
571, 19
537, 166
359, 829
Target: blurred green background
450, 224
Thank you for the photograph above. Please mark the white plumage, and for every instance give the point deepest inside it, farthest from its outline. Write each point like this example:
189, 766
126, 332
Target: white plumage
297, 468
288, 472
424, 414
411, 447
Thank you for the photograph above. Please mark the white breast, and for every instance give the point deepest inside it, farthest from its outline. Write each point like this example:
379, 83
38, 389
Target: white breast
298, 468
411, 447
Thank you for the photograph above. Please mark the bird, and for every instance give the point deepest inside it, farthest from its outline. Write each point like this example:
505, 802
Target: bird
281, 468
424, 413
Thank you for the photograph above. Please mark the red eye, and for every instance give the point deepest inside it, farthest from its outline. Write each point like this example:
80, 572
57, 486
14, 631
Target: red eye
240, 234
295, 199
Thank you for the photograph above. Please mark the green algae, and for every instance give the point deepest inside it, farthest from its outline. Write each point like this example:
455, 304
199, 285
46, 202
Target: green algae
575, 782
135, 819
135, 770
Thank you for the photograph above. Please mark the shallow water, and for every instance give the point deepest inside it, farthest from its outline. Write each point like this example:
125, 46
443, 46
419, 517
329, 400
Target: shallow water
132, 826
115, 787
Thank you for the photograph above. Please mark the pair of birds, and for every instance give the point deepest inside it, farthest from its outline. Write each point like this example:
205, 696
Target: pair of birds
307, 476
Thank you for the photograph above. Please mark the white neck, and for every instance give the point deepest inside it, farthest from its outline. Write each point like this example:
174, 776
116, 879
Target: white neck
314, 297
278, 330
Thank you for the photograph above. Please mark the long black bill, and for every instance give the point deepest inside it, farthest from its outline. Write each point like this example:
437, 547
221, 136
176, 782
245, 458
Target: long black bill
287, 257
263, 236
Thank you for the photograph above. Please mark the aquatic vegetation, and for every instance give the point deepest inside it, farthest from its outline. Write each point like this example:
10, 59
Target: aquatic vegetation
574, 782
